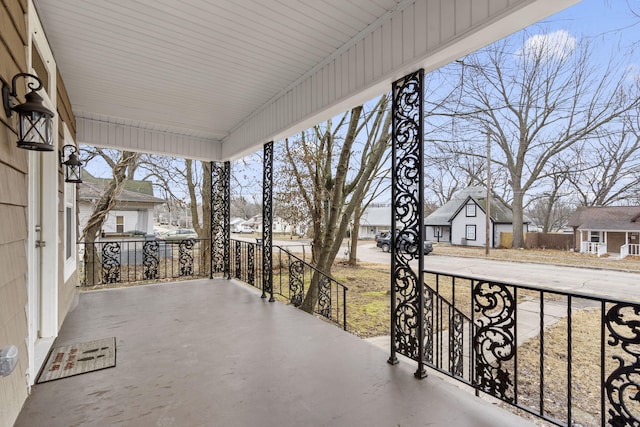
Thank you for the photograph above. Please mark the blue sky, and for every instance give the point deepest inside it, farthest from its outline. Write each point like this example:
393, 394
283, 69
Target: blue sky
610, 23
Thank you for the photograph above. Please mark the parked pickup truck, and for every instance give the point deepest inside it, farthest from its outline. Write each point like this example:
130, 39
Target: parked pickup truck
384, 243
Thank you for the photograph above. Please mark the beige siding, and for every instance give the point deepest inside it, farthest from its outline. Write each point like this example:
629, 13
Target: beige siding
13, 209
13, 228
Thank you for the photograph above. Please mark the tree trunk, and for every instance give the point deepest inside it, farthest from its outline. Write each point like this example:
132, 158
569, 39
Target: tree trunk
355, 231
518, 227
205, 246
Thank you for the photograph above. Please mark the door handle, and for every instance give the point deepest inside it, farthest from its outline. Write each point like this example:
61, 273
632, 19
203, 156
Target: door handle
40, 243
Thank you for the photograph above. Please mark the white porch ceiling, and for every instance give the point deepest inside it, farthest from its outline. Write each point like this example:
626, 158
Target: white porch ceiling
216, 79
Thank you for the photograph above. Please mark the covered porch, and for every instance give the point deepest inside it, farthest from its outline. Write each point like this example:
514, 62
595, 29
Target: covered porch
211, 352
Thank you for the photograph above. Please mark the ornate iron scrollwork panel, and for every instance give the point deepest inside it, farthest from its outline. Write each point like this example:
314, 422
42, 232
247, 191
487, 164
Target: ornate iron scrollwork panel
324, 297
251, 268
623, 383
267, 220
456, 343
296, 282
111, 253
407, 218
226, 215
185, 257
429, 313
494, 340
150, 260
238, 259
217, 217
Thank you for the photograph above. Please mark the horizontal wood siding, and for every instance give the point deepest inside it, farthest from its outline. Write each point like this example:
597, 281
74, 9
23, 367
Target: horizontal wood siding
426, 33
13, 227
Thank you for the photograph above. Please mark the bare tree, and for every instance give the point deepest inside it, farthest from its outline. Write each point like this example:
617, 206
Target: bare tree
377, 185
551, 209
605, 168
331, 165
538, 95
122, 165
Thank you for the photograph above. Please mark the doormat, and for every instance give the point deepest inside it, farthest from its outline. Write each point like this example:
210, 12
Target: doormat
76, 359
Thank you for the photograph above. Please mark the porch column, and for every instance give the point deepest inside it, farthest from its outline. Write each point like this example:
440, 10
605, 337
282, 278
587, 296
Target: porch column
407, 221
220, 218
267, 221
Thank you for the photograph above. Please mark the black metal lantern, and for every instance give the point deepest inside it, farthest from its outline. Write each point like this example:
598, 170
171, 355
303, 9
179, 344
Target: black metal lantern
35, 121
73, 165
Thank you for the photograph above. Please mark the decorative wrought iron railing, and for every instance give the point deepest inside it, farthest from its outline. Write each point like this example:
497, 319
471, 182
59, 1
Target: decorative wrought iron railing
130, 261
246, 262
292, 277
124, 261
568, 358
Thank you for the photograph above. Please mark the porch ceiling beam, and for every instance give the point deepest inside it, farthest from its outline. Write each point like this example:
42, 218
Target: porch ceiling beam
132, 137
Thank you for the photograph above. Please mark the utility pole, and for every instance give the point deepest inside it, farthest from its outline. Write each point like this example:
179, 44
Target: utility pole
488, 213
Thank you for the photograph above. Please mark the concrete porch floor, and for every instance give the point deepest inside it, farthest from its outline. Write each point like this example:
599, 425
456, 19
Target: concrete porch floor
213, 353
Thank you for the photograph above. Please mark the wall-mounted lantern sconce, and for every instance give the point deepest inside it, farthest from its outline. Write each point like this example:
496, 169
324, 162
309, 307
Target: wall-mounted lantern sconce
34, 119
72, 166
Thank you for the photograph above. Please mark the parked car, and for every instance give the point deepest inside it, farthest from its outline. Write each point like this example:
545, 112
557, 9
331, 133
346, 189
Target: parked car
244, 229
179, 234
381, 235
405, 245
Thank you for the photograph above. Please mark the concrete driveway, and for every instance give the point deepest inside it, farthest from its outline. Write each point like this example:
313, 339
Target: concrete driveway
599, 282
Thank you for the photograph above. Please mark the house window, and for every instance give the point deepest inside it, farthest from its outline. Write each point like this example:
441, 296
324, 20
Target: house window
68, 233
119, 224
470, 232
594, 237
471, 210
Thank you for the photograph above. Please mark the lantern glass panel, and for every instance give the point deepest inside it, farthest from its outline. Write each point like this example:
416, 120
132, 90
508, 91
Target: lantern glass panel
35, 131
73, 173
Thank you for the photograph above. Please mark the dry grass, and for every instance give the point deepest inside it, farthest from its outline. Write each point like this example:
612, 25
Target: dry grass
585, 367
544, 256
368, 298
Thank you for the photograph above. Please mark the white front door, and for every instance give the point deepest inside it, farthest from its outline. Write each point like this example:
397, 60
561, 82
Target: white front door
43, 258
43, 235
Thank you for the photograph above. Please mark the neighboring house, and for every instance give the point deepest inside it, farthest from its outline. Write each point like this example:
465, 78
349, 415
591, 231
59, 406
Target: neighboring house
462, 220
607, 229
254, 223
373, 221
438, 224
282, 226
133, 210
235, 224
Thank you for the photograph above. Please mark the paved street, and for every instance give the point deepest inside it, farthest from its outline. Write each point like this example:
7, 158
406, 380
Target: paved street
599, 282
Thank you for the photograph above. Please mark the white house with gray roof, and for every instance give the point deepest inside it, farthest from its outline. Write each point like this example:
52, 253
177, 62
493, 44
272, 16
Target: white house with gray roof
462, 220
133, 211
375, 219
